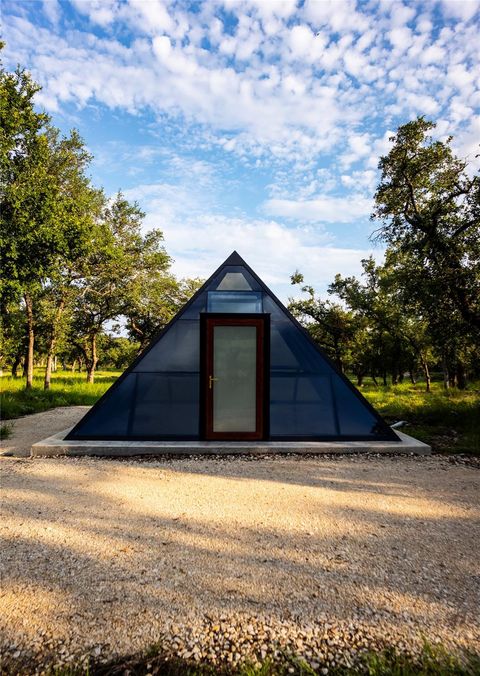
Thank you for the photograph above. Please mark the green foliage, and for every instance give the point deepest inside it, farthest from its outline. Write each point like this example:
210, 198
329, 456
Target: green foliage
117, 352
329, 324
72, 260
154, 300
121, 260
429, 208
398, 338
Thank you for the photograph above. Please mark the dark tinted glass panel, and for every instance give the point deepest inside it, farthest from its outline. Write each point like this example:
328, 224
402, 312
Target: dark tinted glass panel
177, 350
354, 417
274, 310
198, 305
291, 350
110, 417
301, 406
234, 301
166, 405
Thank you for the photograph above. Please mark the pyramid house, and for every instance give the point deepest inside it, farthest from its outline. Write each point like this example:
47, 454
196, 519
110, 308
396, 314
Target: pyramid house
233, 364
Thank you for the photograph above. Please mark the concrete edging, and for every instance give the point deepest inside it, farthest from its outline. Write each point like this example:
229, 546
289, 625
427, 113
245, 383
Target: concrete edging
57, 445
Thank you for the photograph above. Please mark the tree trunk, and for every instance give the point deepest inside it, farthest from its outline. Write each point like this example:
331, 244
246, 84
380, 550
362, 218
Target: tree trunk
52, 344
92, 363
446, 381
48, 372
360, 377
338, 356
461, 376
74, 363
426, 372
411, 373
31, 340
385, 383
15, 365
374, 379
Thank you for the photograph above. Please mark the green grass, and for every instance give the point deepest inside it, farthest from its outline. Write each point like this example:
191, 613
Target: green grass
433, 661
6, 431
67, 389
448, 420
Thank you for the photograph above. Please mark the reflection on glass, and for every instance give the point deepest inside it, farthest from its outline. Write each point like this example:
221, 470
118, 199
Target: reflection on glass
234, 281
234, 301
235, 375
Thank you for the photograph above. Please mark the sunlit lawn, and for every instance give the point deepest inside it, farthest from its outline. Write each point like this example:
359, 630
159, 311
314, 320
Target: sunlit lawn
67, 389
448, 420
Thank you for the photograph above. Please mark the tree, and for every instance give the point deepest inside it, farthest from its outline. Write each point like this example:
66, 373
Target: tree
400, 335
21, 182
154, 299
47, 209
330, 325
420, 294
121, 259
429, 208
77, 209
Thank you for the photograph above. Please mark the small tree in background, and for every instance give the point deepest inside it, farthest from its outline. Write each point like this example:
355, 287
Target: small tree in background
330, 325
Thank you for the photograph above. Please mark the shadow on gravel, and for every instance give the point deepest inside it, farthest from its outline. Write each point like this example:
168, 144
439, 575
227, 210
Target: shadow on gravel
103, 554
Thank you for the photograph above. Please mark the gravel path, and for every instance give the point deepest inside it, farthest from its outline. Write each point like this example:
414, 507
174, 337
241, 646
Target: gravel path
223, 559
32, 428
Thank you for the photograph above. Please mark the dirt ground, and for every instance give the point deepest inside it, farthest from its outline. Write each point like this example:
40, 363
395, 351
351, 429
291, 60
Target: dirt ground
106, 557
32, 428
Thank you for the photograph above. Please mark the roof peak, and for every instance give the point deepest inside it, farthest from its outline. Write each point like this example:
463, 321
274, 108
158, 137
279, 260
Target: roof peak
234, 259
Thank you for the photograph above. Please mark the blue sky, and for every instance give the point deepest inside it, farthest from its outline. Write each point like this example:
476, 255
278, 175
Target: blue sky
251, 125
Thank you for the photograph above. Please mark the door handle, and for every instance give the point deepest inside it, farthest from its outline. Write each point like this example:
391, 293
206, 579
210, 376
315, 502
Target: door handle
210, 381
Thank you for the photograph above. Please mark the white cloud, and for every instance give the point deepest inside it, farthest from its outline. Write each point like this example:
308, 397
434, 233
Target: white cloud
52, 10
304, 94
401, 38
102, 12
322, 209
199, 238
291, 94
152, 15
460, 9
272, 249
467, 143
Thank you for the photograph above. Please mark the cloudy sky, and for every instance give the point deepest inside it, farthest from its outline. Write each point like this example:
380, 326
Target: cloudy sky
253, 125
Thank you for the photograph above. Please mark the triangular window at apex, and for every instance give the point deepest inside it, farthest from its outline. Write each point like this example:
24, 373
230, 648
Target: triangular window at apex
233, 364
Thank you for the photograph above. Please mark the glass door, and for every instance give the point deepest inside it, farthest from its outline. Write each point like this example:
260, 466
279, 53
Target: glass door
234, 378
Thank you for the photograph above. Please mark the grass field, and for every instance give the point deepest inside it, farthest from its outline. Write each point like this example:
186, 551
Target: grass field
448, 420
67, 389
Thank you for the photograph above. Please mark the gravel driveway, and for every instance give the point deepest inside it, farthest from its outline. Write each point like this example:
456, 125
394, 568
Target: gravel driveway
226, 558
32, 428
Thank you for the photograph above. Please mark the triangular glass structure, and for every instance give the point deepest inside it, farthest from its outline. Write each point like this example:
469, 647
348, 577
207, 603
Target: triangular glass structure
165, 393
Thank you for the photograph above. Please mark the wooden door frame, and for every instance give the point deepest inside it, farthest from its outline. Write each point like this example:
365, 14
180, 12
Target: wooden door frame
262, 321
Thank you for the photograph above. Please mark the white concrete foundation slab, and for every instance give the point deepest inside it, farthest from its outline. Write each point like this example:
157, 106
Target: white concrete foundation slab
58, 445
